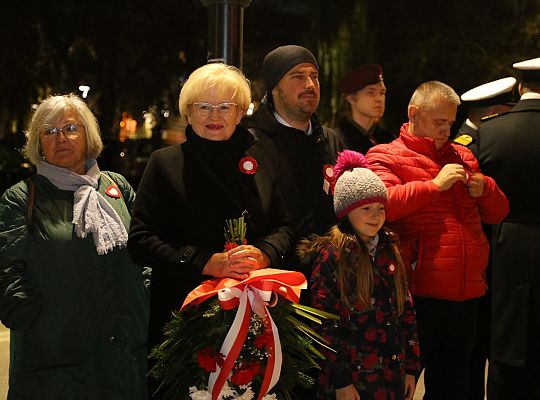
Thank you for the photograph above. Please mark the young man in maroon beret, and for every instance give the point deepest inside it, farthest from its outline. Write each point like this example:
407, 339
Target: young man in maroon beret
365, 94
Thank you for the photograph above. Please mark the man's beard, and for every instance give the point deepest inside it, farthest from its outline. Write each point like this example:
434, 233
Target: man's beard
299, 111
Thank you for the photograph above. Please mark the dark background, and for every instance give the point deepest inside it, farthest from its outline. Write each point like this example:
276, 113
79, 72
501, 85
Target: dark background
128, 51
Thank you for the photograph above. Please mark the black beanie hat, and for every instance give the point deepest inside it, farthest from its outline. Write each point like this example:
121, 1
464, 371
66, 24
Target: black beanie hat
279, 61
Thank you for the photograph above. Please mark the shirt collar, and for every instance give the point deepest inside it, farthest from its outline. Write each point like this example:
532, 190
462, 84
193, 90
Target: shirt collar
471, 124
530, 95
283, 122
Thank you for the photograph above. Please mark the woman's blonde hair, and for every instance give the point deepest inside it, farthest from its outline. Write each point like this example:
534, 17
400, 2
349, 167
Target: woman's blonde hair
223, 79
47, 115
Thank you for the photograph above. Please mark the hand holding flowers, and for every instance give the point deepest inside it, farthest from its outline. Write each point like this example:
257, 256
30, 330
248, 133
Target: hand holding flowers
239, 258
252, 342
236, 263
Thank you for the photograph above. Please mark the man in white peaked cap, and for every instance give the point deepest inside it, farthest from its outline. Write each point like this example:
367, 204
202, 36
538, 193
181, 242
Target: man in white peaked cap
509, 151
483, 102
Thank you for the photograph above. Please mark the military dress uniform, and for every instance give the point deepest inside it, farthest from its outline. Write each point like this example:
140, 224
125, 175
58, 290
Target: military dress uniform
483, 102
509, 147
468, 136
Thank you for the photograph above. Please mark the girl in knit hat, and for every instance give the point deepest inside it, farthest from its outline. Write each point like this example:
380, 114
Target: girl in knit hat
358, 274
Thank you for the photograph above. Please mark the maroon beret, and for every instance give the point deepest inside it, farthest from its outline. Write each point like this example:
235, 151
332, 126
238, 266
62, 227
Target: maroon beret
359, 77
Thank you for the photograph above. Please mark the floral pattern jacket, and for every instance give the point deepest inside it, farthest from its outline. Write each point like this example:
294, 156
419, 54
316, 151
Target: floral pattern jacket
375, 348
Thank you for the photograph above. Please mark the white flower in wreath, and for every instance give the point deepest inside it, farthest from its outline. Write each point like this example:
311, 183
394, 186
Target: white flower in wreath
197, 394
228, 393
247, 395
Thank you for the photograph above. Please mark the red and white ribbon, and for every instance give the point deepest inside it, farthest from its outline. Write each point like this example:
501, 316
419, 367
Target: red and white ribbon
251, 295
250, 300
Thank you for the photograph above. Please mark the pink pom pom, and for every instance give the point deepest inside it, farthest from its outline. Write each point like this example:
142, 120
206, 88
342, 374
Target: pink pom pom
347, 161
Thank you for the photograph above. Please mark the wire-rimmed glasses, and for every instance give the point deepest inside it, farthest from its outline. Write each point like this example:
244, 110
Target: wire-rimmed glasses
204, 109
70, 130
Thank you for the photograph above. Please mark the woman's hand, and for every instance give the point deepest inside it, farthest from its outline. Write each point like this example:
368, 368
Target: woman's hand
347, 393
248, 255
410, 387
236, 263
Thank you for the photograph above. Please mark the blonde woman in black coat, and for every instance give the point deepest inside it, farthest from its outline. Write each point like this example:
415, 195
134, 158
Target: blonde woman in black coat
188, 191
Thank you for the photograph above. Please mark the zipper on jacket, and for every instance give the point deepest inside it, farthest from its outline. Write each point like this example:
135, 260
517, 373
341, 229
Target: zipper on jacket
463, 247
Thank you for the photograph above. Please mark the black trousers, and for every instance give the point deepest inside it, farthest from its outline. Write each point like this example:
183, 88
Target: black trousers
447, 332
513, 383
480, 353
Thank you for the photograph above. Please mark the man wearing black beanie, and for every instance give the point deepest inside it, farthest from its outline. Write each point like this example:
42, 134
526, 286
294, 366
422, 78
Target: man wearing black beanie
308, 150
287, 116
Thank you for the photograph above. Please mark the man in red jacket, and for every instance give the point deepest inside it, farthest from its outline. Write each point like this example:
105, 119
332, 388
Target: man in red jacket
438, 199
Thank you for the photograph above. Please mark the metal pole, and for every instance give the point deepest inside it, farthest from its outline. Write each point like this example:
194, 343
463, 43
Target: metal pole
225, 30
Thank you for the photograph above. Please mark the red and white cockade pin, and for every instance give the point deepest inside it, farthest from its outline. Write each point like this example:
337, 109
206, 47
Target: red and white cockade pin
329, 183
113, 191
328, 172
392, 268
248, 165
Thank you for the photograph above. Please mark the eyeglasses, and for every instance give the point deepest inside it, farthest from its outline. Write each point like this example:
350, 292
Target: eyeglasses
204, 109
70, 130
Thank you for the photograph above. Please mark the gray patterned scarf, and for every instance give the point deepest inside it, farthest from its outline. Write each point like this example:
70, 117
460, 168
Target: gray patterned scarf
92, 213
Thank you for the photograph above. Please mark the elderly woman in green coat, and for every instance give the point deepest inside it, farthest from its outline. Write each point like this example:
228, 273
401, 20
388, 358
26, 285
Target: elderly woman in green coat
76, 305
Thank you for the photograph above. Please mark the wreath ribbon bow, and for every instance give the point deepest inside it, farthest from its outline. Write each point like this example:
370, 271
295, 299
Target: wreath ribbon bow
249, 295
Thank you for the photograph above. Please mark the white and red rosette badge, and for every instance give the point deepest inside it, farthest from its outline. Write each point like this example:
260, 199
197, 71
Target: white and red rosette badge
248, 165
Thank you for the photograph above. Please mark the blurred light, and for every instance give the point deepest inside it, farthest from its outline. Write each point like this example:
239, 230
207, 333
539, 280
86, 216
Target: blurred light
84, 89
122, 154
165, 113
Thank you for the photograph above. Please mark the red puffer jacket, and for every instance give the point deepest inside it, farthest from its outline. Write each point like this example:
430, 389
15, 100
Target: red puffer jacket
441, 232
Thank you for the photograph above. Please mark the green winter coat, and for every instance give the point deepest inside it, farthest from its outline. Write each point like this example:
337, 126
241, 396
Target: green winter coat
78, 320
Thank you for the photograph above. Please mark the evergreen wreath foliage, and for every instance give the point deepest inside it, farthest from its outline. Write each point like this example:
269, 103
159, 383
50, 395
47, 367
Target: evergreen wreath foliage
204, 326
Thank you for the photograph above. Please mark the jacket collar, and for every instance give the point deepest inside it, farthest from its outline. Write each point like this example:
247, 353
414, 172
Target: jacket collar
265, 120
526, 105
421, 144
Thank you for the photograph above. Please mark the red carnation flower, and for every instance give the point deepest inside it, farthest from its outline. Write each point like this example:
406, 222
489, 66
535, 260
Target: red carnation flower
208, 359
264, 340
232, 245
245, 374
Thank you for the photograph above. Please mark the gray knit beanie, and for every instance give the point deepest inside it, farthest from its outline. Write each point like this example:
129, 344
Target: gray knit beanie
279, 61
355, 184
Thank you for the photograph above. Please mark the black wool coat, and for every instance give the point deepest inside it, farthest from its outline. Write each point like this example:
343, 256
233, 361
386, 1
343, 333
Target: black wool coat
356, 138
186, 193
509, 150
303, 158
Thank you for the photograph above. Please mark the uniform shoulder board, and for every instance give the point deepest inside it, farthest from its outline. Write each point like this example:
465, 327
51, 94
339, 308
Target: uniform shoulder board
491, 116
464, 140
